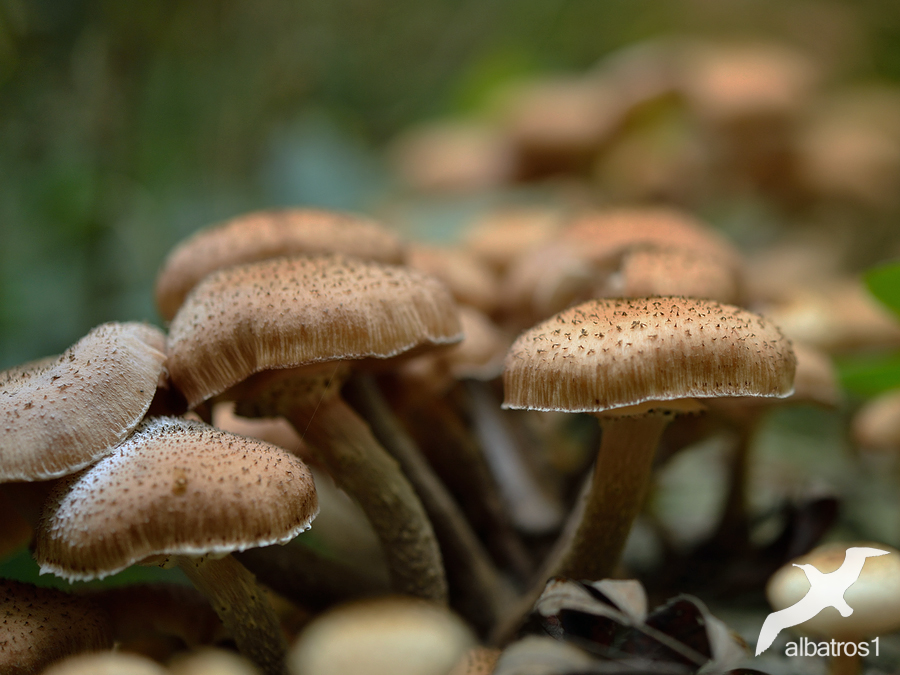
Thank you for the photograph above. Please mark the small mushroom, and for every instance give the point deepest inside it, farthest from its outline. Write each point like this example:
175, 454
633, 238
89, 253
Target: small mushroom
62, 414
180, 492
387, 636
42, 625
634, 363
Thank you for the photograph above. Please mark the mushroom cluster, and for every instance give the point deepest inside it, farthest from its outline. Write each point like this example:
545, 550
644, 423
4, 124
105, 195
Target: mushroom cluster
403, 402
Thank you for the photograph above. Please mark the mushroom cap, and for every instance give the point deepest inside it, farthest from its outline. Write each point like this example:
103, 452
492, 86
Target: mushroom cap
469, 279
62, 414
601, 236
396, 636
874, 596
41, 625
292, 312
654, 271
452, 156
732, 82
107, 663
877, 423
613, 353
175, 487
269, 234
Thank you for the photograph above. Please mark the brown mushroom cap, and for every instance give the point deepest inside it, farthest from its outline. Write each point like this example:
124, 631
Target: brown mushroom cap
651, 271
877, 423
60, 415
604, 235
609, 354
290, 312
41, 625
470, 280
269, 234
175, 487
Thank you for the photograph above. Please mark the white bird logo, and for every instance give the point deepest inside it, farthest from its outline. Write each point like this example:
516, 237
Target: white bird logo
826, 590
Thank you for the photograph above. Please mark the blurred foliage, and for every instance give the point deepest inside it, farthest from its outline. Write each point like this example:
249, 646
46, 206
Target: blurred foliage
873, 374
125, 127
884, 283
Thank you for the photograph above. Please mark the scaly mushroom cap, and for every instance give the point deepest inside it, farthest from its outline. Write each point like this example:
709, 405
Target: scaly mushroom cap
609, 354
270, 234
175, 487
291, 312
41, 625
62, 414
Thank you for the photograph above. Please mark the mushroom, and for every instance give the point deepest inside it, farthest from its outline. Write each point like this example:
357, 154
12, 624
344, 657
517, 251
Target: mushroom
317, 312
387, 636
180, 492
106, 663
41, 625
268, 234
633, 363
62, 414
874, 600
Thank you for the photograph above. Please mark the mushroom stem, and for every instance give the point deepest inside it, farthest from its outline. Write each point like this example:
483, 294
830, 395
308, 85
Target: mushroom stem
243, 607
471, 573
620, 481
360, 466
733, 531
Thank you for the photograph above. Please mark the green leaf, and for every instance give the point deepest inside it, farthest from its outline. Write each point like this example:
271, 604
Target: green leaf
870, 375
884, 283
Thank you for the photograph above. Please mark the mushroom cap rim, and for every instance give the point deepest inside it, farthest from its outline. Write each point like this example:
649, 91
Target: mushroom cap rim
189, 551
617, 406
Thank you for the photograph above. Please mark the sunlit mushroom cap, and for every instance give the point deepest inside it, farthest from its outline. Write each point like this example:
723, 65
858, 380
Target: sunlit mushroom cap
874, 596
107, 663
42, 625
387, 636
62, 414
175, 487
292, 312
610, 354
269, 234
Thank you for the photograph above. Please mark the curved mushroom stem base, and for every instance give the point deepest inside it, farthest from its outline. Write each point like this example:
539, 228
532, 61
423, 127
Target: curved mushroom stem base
243, 607
359, 465
619, 487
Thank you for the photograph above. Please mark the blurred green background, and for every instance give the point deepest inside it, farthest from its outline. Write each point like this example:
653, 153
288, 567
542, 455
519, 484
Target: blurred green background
126, 126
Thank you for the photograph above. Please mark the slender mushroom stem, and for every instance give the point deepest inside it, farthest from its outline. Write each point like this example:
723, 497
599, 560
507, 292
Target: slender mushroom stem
733, 531
592, 540
621, 477
360, 466
470, 571
243, 607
